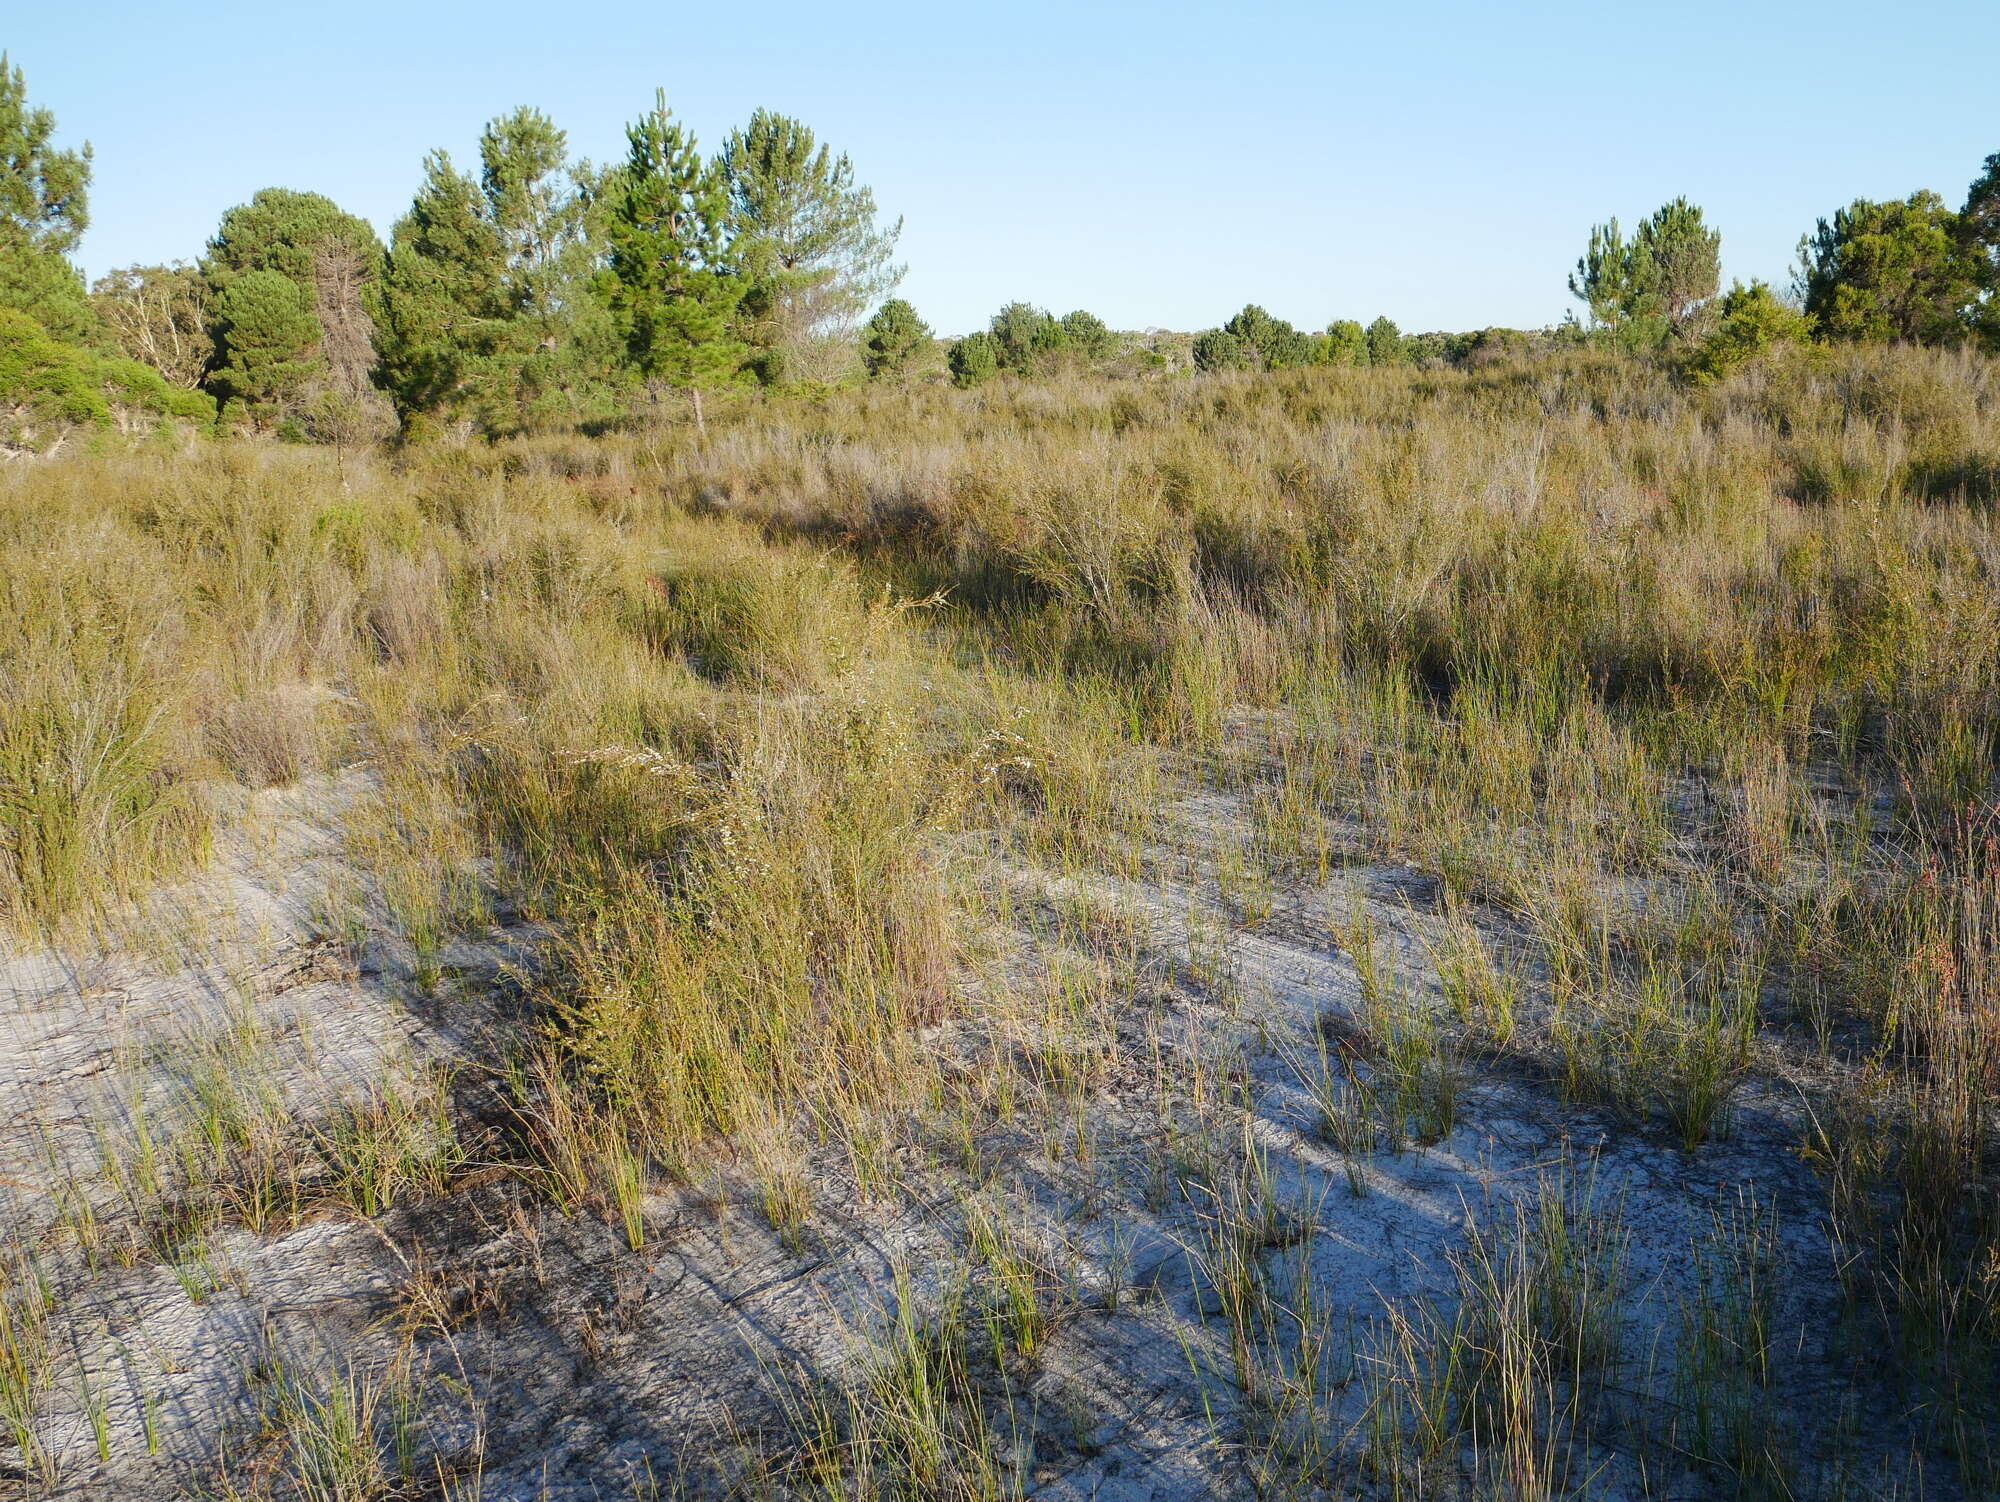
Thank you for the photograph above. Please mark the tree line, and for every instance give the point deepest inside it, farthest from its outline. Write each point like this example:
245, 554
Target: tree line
1910, 270
534, 290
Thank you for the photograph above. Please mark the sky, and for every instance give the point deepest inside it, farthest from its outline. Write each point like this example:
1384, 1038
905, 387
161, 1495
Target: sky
1162, 164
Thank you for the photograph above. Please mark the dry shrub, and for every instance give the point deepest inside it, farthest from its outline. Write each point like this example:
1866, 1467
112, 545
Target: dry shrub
405, 606
272, 737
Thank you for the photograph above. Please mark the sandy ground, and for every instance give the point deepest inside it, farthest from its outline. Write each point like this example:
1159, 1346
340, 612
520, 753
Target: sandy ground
556, 1361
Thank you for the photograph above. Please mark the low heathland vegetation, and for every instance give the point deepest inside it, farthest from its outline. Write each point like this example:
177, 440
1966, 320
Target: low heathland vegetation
1339, 932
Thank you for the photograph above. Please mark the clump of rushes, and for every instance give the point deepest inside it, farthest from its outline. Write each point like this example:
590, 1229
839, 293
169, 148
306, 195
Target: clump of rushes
1516, 1362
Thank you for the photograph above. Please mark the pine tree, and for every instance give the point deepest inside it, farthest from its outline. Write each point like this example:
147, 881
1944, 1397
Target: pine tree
894, 339
1274, 344
1088, 334
1602, 275
1979, 223
1345, 342
1019, 331
283, 230
265, 325
670, 281
44, 210
442, 304
1656, 286
334, 261
806, 239
1895, 270
559, 350
491, 304
1218, 349
1385, 343
1677, 259
974, 359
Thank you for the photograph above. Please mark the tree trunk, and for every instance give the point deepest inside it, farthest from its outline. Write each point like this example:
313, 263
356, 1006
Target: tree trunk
700, 427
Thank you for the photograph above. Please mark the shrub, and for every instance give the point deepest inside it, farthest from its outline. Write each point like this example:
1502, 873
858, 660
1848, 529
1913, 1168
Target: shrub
50, 390
1754, 320
1218, 349
974, 359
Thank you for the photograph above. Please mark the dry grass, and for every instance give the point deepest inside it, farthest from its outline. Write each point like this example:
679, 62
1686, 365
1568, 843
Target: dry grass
1684, 703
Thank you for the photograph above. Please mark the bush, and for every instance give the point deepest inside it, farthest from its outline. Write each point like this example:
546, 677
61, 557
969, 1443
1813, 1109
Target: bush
974, 359
49, 390
1218, 349
1496, 345
1754, 319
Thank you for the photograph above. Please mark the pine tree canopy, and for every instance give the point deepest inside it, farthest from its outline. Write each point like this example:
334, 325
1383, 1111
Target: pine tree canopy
1980, 224
1385, 343
44, 210
804, 232
1656, 285
283, 230
1218, 349
1896, 270
1088, 334
441, 306
671, 284
270, 337
1345, 342
894, 338
491, 303
333, 261
974, 359
1270, 342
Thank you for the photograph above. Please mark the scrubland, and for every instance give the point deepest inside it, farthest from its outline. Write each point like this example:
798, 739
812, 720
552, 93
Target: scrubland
1374, 933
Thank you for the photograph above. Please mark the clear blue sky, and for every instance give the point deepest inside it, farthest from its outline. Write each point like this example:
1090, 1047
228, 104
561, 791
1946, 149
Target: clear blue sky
1440, 161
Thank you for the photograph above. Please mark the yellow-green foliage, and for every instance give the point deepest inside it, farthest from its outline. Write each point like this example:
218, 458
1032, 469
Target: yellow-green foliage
720, 708
1685, 699
49, 389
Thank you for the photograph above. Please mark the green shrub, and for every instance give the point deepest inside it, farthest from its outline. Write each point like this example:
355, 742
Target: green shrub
1218, 349
1754, 321
49, 390
974, 359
